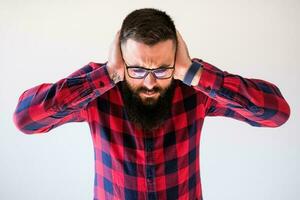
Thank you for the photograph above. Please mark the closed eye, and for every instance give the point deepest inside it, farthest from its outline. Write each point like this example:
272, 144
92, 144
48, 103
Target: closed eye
160, 70
138, 70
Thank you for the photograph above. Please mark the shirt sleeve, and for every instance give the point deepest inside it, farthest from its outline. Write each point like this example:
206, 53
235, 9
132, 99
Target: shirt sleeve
257, 102
49, 105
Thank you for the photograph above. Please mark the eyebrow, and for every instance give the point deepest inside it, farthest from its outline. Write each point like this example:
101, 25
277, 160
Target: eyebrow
162, 66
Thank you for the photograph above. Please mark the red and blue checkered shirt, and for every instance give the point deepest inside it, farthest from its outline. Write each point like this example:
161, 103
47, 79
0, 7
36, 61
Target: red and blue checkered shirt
163, 163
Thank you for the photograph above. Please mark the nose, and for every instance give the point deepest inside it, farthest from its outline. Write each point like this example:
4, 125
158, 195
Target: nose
149, 81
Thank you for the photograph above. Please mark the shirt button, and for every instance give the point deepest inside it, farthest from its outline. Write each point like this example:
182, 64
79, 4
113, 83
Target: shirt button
150, 173
149, 144
149, 180
101, 84
149, 147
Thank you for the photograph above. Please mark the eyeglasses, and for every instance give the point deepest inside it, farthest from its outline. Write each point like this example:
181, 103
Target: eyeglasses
141, 72
138, 72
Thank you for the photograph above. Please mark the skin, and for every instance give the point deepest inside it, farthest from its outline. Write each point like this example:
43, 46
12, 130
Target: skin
151, 57
136, 53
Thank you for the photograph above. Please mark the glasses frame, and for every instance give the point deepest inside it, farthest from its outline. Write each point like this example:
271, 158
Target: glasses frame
150, 70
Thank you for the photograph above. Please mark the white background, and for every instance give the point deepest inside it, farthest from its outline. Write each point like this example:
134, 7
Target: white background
44, 41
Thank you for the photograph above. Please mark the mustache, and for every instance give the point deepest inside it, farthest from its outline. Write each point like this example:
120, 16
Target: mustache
144, 89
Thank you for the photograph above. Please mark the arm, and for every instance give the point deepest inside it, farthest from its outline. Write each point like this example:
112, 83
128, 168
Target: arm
257, 102
47, 106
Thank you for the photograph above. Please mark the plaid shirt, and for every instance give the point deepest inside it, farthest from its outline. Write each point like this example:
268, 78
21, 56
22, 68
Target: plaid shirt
163, 163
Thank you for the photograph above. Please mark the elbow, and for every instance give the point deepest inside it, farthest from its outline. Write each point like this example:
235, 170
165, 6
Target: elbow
27, 126
267, 117
282, 117
278, 118
27, 119
20, 123
282, 114
20, 115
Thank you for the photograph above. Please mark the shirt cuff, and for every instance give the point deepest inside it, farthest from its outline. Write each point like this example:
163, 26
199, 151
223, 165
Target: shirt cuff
99, 79
211, 78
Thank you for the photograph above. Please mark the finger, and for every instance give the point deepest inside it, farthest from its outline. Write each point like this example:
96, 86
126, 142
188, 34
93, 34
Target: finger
116, 42
181, 44
118, 35
178, 34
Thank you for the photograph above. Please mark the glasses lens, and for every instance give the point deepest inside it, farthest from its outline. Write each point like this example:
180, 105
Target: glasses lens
163, 73
136, 72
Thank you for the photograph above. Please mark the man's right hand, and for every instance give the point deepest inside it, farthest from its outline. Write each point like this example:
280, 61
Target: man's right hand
115, 64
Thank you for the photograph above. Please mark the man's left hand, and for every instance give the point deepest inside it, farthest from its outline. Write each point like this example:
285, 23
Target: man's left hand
183, 61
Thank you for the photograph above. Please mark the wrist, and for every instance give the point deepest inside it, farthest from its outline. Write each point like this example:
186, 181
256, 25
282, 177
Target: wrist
193, 74
182, 70
197, 77
114, 75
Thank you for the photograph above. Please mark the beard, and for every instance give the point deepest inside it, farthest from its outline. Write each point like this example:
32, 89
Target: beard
150, 113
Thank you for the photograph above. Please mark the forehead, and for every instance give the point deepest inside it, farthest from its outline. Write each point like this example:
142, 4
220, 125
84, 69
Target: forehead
138, 53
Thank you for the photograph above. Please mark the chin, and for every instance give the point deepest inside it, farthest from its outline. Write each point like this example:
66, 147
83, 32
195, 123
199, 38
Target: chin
149, 101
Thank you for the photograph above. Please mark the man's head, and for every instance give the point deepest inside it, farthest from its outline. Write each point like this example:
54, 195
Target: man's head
148, 41
148, 26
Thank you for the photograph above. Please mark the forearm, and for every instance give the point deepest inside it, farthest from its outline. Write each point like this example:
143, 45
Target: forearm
46, 106
197, 77
257, 102
182, 72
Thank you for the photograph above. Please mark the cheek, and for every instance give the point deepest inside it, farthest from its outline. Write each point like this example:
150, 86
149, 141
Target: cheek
164, 84
133, 83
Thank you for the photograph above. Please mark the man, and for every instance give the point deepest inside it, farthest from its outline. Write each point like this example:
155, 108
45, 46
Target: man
145, 108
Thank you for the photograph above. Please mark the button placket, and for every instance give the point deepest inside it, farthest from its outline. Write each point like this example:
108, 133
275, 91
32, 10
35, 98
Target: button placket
149, 144
150, 167
150, 173
149, 158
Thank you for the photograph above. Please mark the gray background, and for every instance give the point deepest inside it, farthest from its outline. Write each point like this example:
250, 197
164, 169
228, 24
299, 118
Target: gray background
44, 41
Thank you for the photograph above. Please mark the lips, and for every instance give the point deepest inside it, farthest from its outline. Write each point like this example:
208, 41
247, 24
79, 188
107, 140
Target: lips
149, 93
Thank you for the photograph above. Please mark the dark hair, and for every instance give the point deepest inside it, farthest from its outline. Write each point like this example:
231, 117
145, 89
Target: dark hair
149, 26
